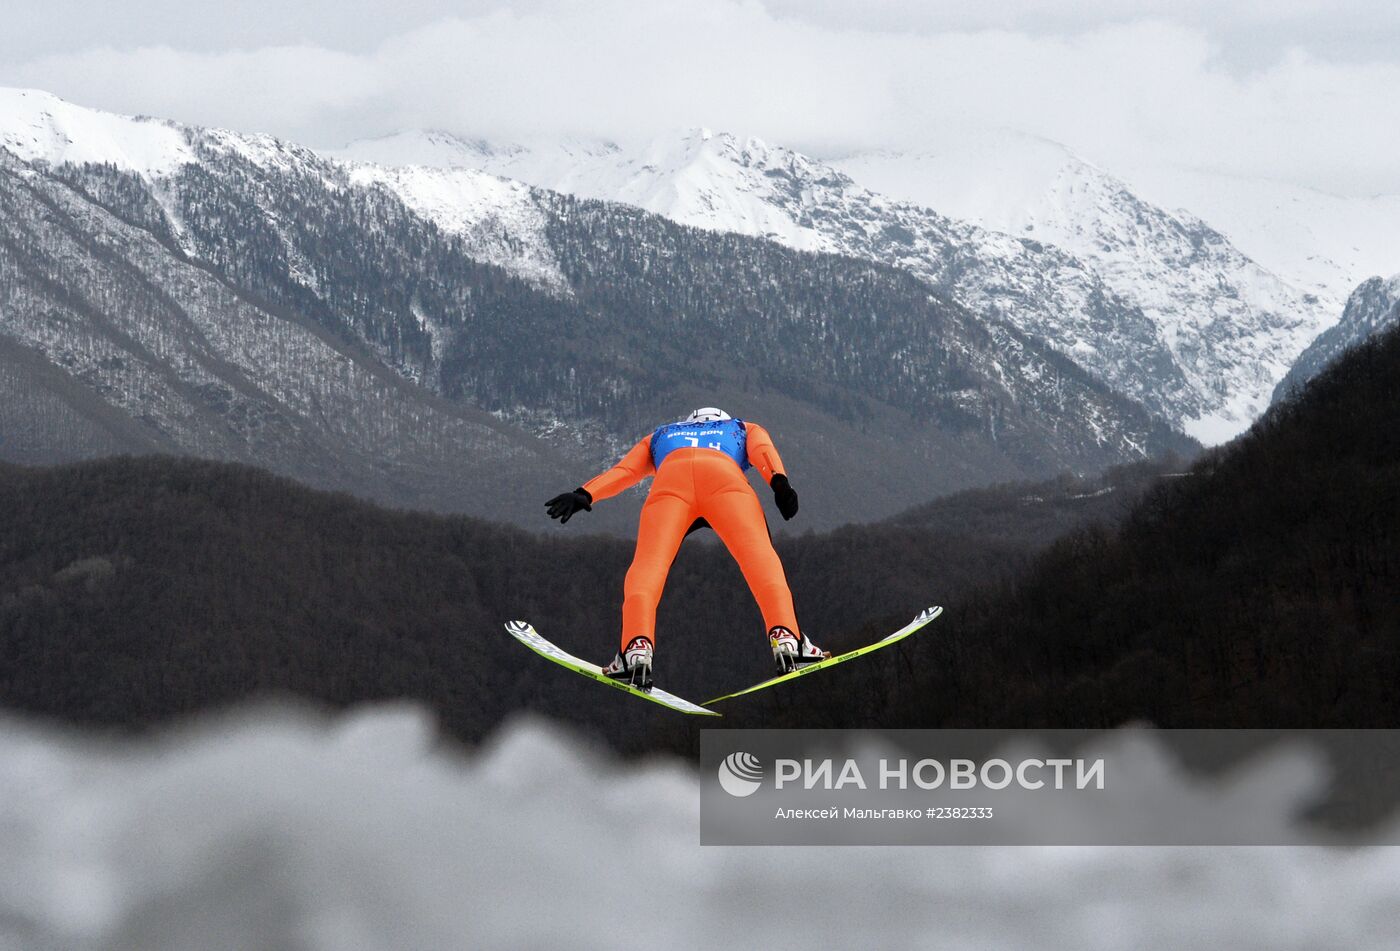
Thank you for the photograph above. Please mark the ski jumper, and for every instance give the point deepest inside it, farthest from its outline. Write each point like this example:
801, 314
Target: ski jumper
699, 474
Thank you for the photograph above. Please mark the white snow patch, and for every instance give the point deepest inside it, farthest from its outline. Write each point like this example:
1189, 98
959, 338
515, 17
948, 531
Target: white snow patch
993, 177
40, 127
439, 333
500, 220
694, 176
1326, 244
1212, 430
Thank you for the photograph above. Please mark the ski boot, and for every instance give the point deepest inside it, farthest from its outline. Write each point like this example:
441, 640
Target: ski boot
633, 664
791, 651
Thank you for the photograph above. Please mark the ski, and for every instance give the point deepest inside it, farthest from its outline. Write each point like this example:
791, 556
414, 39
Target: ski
523, 632
925, 616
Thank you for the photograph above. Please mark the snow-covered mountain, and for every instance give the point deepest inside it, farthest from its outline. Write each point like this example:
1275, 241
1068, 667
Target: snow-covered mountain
1231, 325
1373, 306
407, 333
1325, 244
1322, 244
136, 317
38, 126
497, 218
1159, 305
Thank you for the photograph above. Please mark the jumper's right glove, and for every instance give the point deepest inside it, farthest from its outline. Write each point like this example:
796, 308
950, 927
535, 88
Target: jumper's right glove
564, 506
785, 495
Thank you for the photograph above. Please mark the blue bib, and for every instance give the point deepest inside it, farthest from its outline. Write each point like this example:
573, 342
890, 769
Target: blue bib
727, 436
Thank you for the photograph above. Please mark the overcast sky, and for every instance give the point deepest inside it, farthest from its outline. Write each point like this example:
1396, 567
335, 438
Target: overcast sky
1301, 90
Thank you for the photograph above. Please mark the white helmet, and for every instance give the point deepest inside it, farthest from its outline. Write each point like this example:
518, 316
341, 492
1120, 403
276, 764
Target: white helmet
707, 414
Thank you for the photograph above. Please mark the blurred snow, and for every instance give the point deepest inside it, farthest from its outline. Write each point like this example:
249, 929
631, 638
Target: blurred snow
279, 829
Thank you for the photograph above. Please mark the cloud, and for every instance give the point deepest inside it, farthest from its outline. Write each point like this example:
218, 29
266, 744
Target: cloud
291, 88
1125, 91
279, 829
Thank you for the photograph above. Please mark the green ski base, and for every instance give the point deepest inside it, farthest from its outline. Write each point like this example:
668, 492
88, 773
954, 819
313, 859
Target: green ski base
924, 618
527, 635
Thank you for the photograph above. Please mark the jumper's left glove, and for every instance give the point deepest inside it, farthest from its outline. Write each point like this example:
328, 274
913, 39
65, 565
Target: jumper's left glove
785, 495
563, 507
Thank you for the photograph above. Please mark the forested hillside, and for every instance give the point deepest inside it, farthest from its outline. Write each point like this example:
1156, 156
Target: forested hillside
1260, 588
135, 589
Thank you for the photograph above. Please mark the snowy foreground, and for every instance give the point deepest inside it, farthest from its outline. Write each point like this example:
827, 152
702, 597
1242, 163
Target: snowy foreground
282, 830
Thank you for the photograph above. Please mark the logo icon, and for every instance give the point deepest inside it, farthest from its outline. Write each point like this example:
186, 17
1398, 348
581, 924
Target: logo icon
740, 774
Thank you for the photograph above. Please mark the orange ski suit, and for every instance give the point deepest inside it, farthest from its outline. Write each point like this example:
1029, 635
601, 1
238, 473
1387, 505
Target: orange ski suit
696, 483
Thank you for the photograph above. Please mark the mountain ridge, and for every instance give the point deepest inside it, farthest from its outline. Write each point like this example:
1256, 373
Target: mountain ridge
263, 304
1158, 304
1372, 307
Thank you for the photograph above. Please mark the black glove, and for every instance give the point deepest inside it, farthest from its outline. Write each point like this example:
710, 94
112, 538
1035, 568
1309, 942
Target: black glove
785, 495
564, 506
